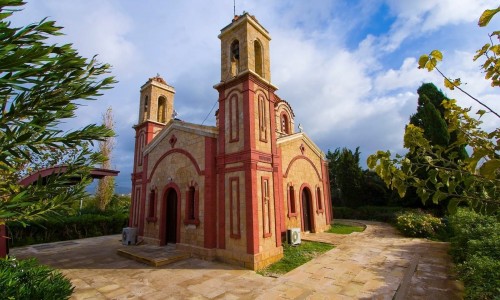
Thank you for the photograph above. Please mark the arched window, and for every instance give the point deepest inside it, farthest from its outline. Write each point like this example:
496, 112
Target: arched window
235, 58
258, 58
152, 206
192, 202
161, 114
320, 202
292, 208
140, 147
146, 108
284, 124
262, 119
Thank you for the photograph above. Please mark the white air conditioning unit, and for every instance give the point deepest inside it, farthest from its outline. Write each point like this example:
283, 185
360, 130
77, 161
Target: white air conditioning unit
129, 236
293, 236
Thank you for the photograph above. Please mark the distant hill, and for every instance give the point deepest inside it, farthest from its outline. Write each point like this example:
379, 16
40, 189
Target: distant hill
122, 190
119, 189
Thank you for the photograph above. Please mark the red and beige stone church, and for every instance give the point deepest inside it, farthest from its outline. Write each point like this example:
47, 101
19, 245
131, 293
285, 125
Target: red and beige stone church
228, 192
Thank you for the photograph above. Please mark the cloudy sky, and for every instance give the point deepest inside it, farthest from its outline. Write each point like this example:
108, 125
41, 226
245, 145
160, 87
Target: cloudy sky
347, 67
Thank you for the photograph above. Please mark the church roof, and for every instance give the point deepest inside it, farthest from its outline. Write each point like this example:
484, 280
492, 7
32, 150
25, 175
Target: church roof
304, 137
44, 174
158, 81
252, 19
284, 101
158, 78
172, 125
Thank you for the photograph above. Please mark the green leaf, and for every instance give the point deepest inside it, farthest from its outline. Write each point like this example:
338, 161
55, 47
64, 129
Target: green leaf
448, 84
490, 169
422, 61
487, 16
437, 55
453, 205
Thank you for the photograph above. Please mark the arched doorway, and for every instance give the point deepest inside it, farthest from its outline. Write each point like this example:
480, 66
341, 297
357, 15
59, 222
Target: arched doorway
306, 210
171, 217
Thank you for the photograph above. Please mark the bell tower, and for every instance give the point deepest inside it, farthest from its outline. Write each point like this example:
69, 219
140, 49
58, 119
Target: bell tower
156, 107
245, 48
248, 163
157, 101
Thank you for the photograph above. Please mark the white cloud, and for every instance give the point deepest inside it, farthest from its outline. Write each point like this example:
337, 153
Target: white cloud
347, 87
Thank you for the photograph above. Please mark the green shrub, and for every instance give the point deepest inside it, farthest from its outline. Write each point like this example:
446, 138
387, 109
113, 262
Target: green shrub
481, 276
27, 279
474, 234
475, 247
417, 223
67, 228
374, 213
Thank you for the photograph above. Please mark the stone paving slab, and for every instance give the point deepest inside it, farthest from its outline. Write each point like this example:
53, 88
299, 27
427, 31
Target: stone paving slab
366, 265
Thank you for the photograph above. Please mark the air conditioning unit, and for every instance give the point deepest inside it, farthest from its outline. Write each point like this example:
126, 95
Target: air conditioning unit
129, 236
293, 236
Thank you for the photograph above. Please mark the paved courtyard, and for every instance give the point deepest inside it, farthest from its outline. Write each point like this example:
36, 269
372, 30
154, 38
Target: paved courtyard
375, 264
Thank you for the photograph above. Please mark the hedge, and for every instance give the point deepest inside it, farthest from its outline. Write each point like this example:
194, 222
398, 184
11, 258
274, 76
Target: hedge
66, 228
373, 213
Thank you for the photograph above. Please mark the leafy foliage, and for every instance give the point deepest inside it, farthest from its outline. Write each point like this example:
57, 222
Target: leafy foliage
26, 280
40, 85
67, 228
473, 181
475, 247
345, 176
106, 186
375, 213
416, 223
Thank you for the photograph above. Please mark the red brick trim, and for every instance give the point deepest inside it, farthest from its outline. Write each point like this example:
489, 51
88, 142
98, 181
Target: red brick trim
142, 210
234, 120
135, 207
210, 200
234, 205
266, 206
221, 181
263, 118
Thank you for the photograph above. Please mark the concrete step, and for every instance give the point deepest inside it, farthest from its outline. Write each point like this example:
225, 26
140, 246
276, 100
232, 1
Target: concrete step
153, 255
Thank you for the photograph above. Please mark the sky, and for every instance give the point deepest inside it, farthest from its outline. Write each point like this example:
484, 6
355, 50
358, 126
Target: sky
348, 68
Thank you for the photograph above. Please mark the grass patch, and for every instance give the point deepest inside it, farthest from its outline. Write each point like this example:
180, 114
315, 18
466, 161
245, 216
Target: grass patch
295, 256
344, 229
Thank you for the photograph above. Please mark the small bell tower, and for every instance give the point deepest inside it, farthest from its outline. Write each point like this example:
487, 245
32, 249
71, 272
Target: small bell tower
157, 101
156, 107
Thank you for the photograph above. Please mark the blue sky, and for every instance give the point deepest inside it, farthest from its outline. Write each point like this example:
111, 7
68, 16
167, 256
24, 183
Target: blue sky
348, 68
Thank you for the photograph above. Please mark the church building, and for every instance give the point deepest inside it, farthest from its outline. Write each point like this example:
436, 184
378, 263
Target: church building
228, 192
